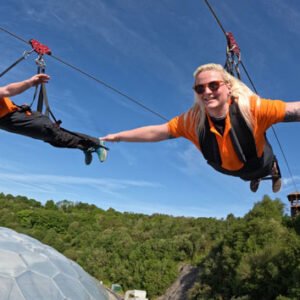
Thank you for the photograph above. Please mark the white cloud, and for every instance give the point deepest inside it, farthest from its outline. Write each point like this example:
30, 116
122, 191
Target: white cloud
290, 182
46, 183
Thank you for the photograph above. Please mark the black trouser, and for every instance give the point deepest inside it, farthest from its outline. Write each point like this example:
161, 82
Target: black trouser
39, 126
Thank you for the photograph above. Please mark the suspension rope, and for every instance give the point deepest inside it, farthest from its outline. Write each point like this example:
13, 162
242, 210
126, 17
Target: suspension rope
134, 100
24, 56
253, 86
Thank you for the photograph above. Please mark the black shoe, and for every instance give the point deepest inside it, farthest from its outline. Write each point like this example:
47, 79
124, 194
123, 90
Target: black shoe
88, 157
276, 184
276, 178
254, 184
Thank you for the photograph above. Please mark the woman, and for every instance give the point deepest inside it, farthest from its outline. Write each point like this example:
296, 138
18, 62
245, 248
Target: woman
21, 120
227, 123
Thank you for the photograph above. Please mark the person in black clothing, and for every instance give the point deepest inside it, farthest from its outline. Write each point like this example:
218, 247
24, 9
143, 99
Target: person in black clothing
21, 120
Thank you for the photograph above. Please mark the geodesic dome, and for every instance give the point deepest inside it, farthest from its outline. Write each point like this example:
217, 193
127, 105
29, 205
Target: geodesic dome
30, 270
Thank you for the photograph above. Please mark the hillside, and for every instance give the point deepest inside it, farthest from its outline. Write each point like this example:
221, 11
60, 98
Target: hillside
238, 257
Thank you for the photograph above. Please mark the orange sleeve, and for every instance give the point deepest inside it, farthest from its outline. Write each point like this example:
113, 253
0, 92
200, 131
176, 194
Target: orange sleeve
266, 113
269, 112
175, 126
6, 107
184, 125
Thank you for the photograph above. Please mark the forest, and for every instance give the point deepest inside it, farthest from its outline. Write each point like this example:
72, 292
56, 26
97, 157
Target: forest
256, 256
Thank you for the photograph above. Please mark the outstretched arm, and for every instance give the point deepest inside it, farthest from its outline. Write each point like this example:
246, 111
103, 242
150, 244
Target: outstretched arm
292, 112
152, 133
16, 88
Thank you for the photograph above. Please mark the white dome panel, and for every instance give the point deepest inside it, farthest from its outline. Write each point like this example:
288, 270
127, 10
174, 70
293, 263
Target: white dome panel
30, 270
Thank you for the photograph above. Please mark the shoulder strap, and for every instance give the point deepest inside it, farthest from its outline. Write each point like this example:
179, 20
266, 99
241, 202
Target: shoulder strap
241, 135
209, 145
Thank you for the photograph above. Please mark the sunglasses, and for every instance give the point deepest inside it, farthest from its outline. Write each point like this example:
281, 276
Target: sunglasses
213, 86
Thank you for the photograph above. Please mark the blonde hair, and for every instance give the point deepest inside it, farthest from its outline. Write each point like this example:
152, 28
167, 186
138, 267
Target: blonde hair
239, 91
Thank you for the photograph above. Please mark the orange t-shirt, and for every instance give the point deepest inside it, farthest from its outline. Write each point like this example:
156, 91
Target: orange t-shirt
7, 107
265, 113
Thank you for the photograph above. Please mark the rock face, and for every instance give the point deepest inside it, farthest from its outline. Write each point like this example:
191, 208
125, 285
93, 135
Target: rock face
30, 270
179, 289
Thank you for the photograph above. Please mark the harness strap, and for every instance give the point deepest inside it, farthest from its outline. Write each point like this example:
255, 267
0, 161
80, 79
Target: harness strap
209, 145
43, 97
241, 135
43, 100
24, 56
24, 108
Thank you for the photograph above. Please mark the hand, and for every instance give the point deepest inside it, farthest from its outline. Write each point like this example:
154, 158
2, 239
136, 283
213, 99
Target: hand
39, 78
114, 137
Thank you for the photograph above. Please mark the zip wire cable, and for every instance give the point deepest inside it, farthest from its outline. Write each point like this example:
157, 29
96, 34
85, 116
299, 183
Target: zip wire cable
14, 35
253, 86
111, 88
224, 31
135, 101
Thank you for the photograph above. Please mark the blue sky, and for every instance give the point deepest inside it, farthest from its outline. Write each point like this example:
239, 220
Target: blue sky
148, 50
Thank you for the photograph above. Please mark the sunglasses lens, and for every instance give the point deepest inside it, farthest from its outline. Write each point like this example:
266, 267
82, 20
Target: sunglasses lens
214, 85
199, 89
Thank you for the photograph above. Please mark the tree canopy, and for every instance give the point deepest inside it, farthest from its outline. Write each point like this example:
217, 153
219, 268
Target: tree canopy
251, 257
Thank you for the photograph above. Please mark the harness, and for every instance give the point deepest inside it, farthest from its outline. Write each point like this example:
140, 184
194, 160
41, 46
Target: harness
42, 104
233, 56
244, 145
